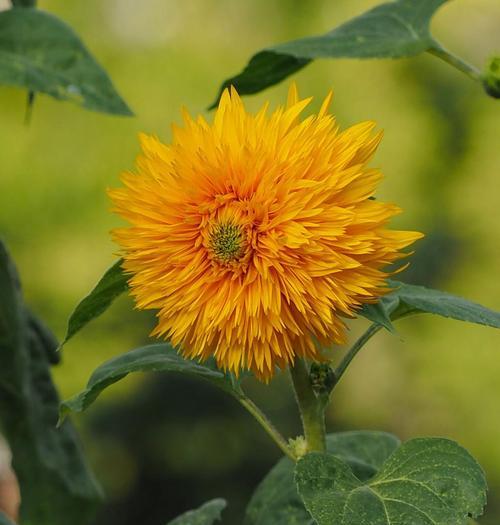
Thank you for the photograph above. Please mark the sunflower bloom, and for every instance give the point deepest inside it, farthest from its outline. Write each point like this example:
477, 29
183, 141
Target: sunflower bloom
255, 235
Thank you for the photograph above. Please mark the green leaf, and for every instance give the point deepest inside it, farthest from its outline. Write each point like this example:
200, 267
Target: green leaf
152, 358
391, 30
427, 481
112, 284
276, 501
377, 313
265, 69
364, 451
39, 52
57, 486
207, 514
409, 299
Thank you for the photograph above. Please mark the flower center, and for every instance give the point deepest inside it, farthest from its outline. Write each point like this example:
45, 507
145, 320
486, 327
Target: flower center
226, 242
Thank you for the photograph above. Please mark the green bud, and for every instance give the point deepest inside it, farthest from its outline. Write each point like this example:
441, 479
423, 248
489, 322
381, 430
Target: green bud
322, 379
491, 77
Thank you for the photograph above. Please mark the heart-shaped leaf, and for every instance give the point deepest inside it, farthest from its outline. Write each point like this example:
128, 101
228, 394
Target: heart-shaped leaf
408, 299
391, 30
276, 501
427, 481
207, 514
41, 53
152, 358
111, 285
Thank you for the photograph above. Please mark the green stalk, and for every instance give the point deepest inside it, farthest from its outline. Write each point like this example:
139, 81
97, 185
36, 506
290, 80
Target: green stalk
455, 61
355, 348
267, 426
312, 410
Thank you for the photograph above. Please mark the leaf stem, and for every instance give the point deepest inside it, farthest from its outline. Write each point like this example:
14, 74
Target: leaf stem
355, 348
312, 410
455, 61
267, 425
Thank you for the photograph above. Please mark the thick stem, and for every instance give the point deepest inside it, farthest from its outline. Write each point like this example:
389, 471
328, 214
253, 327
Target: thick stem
267, 426
455, 61
355, 348
312, 410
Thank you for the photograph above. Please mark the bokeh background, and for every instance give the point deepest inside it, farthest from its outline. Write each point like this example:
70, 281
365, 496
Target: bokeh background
162, 444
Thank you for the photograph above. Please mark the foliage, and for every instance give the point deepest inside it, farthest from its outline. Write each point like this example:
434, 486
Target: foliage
152, 358
56, 483
41, 53
407, 299
110, 286
396, 29
426, 480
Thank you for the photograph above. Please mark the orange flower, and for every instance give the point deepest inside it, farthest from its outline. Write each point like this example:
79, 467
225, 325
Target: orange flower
253, 236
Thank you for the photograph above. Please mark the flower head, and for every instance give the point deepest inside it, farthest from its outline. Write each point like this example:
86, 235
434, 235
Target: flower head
255, 235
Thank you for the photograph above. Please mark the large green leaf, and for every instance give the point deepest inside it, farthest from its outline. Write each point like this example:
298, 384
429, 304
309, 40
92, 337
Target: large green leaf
41, 53
152, 358
409, 299
207, 514
57, 487
391, 30
427, 481
276, 501
112, 284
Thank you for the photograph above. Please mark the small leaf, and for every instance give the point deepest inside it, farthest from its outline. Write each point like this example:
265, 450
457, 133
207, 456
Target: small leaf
112, 284
39, 52
427, 481
152, 358
391, 30
409, 299
378, 313
276, 501
207, 514
265, 69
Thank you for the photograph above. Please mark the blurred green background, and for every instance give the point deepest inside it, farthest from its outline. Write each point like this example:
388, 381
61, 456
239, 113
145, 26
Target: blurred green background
161, 444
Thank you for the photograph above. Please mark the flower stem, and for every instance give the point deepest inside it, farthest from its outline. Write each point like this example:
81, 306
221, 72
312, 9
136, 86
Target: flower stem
355, 348
312, 410
455, 61
267, 426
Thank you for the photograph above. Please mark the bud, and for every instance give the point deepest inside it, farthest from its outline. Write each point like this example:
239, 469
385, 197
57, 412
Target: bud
491, 77
322, 379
